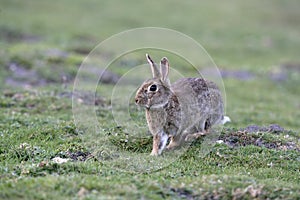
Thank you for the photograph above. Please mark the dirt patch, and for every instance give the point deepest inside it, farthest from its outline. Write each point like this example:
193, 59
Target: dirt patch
23, 77
12, 35
272, 128
48, 67
34, 69
79, 155
250, 136
183, 193
84, 98
105, 75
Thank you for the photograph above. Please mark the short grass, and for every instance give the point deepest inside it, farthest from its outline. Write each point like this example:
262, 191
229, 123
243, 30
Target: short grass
44, 44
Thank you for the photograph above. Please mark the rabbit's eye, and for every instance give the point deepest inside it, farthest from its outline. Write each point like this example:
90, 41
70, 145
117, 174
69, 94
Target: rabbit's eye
153, 88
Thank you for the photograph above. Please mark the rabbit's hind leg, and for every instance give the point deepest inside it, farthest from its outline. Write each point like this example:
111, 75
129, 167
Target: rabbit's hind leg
194, 136
174, 142
199, 131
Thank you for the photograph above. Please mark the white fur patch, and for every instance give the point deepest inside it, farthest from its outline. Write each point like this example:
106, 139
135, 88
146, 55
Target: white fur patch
163, 143
225, 119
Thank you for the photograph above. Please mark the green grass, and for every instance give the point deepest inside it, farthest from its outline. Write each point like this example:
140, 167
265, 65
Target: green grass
49, 40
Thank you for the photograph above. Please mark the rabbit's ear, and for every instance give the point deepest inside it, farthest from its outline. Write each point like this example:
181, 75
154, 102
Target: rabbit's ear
154, 68
164, 69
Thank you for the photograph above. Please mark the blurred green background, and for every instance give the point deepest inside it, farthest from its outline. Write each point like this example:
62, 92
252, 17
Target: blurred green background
255, 43
256, 34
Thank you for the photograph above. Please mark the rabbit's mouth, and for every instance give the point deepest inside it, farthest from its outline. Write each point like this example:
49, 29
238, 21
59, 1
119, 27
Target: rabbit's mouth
143, 106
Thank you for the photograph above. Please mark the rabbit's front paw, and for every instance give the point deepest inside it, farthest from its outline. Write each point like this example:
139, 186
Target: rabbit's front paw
154, 153
159, 143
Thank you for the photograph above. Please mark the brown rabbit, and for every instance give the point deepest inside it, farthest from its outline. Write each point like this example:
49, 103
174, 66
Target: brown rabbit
181, 111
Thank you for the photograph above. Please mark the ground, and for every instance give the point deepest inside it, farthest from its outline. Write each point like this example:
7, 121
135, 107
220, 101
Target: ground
43, 154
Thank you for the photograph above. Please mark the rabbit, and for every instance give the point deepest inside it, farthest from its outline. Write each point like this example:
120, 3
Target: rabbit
181, 111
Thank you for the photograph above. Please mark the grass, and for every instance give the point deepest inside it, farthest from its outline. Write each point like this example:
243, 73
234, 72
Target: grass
41, 55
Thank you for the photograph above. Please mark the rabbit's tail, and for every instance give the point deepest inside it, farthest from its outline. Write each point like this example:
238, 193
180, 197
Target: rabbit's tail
225, 119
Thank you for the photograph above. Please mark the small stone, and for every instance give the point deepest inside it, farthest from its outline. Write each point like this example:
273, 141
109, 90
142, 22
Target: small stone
60, 160
219, 141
